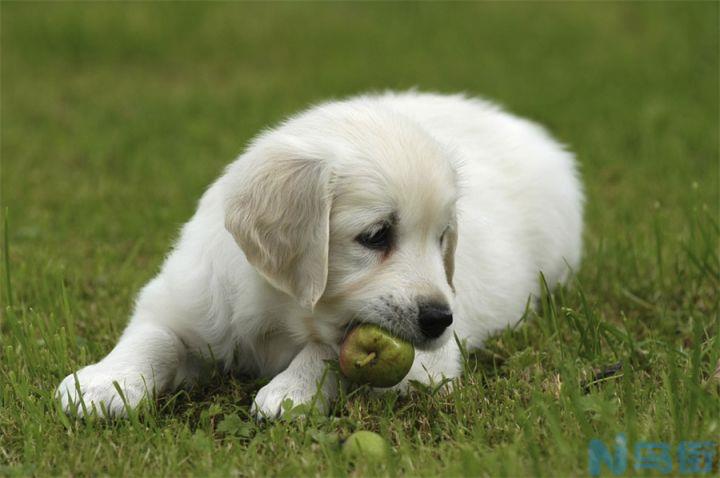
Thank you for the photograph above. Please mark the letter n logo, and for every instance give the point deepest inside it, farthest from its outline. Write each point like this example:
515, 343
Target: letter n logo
599, 454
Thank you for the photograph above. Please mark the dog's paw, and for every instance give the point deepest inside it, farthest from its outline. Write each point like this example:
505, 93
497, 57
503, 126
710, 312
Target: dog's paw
287, 393
95, 389
423, 381
437, 384
435, 370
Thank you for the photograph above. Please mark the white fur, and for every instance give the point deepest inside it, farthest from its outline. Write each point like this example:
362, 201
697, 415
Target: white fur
267, 276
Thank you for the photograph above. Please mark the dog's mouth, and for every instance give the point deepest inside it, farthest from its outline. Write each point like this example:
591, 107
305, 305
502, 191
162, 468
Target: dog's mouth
410, 334
429, 344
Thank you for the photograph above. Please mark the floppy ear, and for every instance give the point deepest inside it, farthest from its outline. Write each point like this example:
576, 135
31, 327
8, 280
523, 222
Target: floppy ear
449, 253
278, 211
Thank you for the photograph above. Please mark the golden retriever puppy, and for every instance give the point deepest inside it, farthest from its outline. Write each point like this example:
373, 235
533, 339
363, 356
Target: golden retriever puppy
426, 214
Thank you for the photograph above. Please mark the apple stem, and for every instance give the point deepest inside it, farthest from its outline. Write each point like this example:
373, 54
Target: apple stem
368, 358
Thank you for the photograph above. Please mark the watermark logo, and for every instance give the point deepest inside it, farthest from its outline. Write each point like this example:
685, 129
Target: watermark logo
691, 457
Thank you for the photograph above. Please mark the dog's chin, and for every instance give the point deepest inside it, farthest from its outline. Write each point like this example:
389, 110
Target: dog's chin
428, 345
414, 336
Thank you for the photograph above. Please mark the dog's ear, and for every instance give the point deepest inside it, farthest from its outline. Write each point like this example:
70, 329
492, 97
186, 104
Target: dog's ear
449, 253
278, 211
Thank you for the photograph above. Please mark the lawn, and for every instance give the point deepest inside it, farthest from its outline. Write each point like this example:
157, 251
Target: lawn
115, 117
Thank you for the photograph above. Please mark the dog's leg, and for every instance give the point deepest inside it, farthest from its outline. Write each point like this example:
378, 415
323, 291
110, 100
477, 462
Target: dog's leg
307, 380
433, 366
145, 361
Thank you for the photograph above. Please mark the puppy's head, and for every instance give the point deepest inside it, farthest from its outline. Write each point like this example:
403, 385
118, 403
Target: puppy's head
351, 211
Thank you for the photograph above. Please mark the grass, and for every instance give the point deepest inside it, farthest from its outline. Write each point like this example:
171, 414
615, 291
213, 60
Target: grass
116, 116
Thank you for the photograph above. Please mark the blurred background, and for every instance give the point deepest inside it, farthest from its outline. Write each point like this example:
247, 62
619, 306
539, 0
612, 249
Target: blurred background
116, 116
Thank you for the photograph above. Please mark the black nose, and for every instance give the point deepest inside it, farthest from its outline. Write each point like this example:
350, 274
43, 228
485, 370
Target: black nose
434, 318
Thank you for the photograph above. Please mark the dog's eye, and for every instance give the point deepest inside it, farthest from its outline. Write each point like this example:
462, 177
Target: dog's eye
378, 238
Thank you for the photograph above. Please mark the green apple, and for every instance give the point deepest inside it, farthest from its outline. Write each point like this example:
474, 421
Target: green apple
367, 446
371, 355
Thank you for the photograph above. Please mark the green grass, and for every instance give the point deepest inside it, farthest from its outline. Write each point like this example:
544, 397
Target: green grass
115, 117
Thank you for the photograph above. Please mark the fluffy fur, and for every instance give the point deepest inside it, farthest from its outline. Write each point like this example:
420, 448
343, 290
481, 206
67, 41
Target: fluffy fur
268, 275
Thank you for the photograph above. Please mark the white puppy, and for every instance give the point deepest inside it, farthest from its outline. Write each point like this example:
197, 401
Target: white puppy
412, 211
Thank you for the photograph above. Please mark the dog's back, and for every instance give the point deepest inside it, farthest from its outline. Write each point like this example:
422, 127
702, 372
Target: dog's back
520, 209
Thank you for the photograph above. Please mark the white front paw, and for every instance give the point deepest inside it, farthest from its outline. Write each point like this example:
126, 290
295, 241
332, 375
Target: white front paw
433, 382
98, 391
437, 368
270, 400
